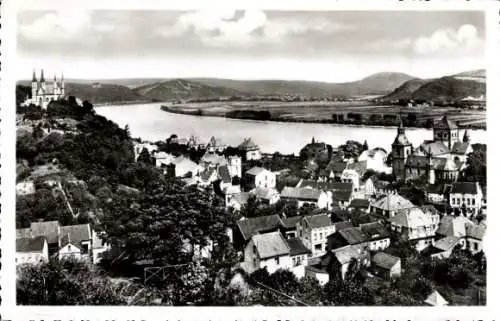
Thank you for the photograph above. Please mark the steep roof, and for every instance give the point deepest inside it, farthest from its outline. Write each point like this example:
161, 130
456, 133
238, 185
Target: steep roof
50, 230
360, 203
393, 202
341, 195
446, 243
308, 194
374, 230
255, 170
213, 158
453, 226
319, 220
255, 225
77, 233
26, 244
297, 247
465, 188
460, 148
270, 245
207, 173
224, 174
433, 148
384, 260
475, 231
436, 299
290, 222
401, 140
353, 235
445, 123
412, 218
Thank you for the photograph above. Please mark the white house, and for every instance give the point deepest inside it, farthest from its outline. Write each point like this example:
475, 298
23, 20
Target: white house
468, 195
305, 195
468, 234
267, 195
313, 232
351, 176
250, 149
261, 177
32, 250
76, 242
268, 250
182, 166
415, 226
391, 204
163, 159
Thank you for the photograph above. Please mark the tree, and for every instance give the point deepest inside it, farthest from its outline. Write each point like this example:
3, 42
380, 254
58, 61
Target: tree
145, 157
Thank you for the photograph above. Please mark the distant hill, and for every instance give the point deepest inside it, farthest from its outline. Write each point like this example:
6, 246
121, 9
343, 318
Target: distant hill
181, 89
377, 84
101, 93
449, 88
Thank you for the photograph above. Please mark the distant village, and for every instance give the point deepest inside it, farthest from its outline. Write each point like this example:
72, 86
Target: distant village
342, 212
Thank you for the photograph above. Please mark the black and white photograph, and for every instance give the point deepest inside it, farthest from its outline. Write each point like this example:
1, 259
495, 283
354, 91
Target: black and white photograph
219, 157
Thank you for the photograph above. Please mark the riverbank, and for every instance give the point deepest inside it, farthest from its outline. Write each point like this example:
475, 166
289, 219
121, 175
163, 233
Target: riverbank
128, 102
358, 118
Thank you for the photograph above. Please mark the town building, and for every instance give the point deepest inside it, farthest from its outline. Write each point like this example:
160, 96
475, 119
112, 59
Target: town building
374, 187
386, 266
305, 195
139, 146
32, 250
182, 167
375, 160
466, 196
249, 149
261, 177
374, 236
267, 196
42, 93
248, 227
313, 230
75, 242
268, 250
215, 145
459, 230
25, 188
337, 261
162, 159
415, 226
360, 204
440, 159
390, 205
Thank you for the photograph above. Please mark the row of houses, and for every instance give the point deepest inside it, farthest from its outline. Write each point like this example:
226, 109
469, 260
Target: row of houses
43, 240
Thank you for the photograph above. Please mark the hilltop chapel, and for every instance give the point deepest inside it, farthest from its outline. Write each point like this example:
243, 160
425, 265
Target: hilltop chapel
42, 93
440, 159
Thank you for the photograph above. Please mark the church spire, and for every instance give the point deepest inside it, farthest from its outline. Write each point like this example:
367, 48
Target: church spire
34, 76
466, 138
401, 128
42, 78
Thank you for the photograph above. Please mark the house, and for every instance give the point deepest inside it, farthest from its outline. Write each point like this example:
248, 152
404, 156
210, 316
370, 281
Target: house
261, 177
182, 167
163, 159
32, 250
268, 250
470, 235
337, 261
341, 198
326, 186
25, 188
99, 246
246, 228
289, 226
413, 225
313, 230
236, 201
224, 175
299, 254
230, 192
391, 204
360, 204
377, 236
318, 273
375, 160
212, 160
49, 230
438, 193
466, 196
346, 237
215, 145
374, 187
353, 174
386, 265
138, 147
75, 242
266, 195
436, 300
306, 196
374, 236
443, 247
208, 176
250, 149
333, 170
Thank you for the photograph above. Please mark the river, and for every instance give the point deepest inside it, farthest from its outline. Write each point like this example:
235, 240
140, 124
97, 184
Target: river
148, 122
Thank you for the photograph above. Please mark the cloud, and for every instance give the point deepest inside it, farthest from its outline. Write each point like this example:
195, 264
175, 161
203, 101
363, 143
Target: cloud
54, 26
221, 28
464, 38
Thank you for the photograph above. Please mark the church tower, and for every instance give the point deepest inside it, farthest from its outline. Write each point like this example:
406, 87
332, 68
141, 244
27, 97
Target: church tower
34, 87
446, 131
466, 138
61, 92
42, 81
401, 149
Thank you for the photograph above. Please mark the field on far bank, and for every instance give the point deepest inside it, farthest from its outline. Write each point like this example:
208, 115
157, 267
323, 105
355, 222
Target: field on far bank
324, 111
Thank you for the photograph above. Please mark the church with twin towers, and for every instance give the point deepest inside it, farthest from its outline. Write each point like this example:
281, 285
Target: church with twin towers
43, 93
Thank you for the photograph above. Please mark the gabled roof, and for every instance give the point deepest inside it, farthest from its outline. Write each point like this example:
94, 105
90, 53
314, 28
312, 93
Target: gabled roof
213, 158
465, 188
319, 220
435, 299
447, 243
299, 193
50, 230
297, 247
353, 235
393, 202
342, 196
359, 203
248, 144
26, 244
255, 171
412, 218
433, 148
256, 225
290, 222
325, 186
374, 230
224, 174
460, 148
77, 233
385, 261
185, 162
270, 245
445, 123
453, 226
475, 231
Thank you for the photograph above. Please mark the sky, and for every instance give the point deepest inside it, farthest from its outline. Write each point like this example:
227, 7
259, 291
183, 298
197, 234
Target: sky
332, 46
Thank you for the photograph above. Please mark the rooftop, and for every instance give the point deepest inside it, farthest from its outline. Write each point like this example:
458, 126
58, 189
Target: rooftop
319, 220
256, 171
393, 202
27, 244
308, 194
412, 218
465, 188
384, 260
270, 245
251, 226
297, 247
